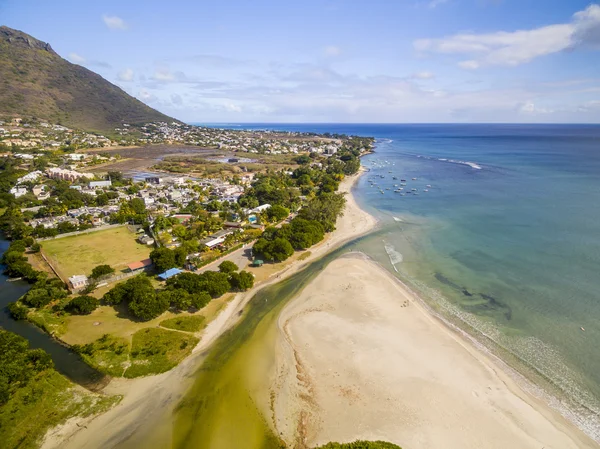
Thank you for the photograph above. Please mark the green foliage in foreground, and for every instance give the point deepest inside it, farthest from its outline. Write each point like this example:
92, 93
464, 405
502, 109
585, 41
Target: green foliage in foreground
185, 323
155, 351
108, 354
34, 396
360, 445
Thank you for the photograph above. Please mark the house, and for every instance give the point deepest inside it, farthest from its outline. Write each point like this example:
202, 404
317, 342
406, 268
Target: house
232, 224
141, 265
170, 273
146, 240
153, 180
262, 208
18, 191
100, 184
78, 281
182, 218
40, 192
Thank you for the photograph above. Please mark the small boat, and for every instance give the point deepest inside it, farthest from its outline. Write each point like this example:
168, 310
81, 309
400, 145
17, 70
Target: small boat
428, 186
402, 183
582, 328
387, 188
414, 179
394, 177
426, 190
403, 180
413, 190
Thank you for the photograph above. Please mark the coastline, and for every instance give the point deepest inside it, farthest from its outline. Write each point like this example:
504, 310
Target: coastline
392, 370
148, 399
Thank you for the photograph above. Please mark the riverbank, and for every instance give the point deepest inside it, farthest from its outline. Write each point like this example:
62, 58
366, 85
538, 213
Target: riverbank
148, 402
359, 357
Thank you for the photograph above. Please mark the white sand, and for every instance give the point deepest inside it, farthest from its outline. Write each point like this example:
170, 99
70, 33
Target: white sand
360, 358
149, 401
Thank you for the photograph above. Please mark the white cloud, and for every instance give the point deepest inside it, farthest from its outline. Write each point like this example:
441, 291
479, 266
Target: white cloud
163, 74
423, 75
146, 96
77, 59
332, 50
233, 107
125, 75
519, 47
114, 22
470, 64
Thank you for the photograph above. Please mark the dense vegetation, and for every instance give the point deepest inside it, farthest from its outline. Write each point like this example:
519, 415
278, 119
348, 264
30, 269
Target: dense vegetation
37, 82
152, 351
34, 397
18, 364
182, 292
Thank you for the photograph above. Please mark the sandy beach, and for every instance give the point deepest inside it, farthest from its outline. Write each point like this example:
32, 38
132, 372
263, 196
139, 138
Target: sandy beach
148, 401
360, 358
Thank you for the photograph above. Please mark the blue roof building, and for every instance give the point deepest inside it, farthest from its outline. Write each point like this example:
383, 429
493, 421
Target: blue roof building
170, 273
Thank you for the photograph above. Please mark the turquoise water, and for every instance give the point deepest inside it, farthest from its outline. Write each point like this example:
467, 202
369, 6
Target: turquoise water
506, 240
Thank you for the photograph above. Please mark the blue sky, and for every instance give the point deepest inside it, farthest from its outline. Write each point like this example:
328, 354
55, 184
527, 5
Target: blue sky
335, 60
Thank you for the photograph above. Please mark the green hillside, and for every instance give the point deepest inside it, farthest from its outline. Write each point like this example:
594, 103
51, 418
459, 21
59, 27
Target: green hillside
36, 81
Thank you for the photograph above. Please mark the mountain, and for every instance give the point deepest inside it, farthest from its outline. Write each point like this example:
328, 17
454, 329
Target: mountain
36, 81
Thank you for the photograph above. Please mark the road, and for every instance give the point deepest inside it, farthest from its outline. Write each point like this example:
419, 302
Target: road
241, 257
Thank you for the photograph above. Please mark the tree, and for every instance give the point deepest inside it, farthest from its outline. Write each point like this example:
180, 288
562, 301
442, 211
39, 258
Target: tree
278, 213
241, 281
227, 267
200, 300
180, 256
17, 311
138, 206
215, 283
82, 305
302, 159
145, 304
163, 259
101, 270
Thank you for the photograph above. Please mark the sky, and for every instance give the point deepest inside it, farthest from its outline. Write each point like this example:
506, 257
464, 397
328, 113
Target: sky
336, 61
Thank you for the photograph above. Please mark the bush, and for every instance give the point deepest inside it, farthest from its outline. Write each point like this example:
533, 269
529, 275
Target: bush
101, 270
227, 267
82, 305
17, 311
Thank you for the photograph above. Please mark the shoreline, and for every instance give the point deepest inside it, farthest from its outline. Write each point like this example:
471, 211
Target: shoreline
306, 389
147, 399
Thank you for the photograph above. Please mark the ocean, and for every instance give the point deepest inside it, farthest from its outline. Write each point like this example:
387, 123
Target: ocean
505, 241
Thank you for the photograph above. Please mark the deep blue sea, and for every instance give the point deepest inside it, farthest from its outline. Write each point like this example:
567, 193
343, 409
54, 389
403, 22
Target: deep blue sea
505, 241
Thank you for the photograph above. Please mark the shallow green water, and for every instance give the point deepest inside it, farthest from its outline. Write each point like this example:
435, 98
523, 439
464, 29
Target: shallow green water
220, 410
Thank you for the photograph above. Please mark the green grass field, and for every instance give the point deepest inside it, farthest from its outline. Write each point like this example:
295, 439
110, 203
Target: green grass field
155, 351
79, 254
185, 323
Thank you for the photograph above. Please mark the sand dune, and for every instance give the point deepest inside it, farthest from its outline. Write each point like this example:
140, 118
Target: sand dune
360, 358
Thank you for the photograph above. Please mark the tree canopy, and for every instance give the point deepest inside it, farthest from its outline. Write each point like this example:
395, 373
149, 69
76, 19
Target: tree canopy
82, 305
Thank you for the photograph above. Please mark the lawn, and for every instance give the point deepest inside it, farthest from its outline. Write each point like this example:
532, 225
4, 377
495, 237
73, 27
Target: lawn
79, 254
155, 351
185, 323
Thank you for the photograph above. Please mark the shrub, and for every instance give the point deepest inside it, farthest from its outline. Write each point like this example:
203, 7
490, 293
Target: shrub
82, 305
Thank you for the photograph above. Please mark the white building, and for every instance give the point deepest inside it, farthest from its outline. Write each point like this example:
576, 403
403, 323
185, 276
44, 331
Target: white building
78, 281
